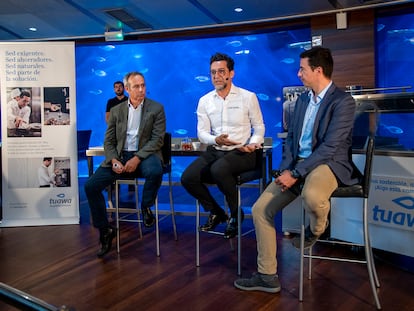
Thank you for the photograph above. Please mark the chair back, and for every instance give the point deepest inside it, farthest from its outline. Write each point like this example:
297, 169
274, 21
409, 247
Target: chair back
369, 158
83, 138
360, 189
166, 153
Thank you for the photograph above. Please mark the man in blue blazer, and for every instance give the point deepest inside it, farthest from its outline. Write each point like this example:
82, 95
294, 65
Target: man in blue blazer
133, 141
315, 161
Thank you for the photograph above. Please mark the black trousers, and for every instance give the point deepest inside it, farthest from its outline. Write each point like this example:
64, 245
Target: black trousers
220, 168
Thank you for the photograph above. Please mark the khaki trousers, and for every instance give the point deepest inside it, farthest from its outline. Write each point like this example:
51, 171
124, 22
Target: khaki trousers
316, 192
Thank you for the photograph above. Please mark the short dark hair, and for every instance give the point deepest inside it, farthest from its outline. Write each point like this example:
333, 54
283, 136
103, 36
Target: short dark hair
219, 57
25, 93
47, 159
119, 82
320, 57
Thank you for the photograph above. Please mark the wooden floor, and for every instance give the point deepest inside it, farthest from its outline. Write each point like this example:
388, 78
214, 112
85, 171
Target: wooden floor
58, 264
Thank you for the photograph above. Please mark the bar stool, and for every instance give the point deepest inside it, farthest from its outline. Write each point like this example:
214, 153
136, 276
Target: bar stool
243, 180
360, 190
166, 153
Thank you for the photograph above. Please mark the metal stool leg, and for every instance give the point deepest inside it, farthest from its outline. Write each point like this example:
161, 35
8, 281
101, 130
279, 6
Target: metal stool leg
157, 228
137, 207
117, 216
172, 207
302, 254
369, 260
197, 234
239, 234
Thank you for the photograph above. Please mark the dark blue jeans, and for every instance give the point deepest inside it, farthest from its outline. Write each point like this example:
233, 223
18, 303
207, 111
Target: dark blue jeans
150, 169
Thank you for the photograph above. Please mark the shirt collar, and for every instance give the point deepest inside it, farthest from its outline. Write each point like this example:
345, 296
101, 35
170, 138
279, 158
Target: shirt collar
139, 106
322, 94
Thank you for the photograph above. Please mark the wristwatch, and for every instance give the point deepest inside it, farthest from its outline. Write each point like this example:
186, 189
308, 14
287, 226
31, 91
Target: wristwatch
295, 173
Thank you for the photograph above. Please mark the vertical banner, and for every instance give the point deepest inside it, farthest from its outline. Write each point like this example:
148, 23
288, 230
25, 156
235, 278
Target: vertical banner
38, 131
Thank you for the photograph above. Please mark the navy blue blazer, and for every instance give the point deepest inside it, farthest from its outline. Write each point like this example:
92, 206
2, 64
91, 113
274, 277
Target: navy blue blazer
332, 136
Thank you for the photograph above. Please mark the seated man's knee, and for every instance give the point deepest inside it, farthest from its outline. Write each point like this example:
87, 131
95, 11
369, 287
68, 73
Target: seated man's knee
89, 186
258, 210
219, 170
154, 175
312, 198
255, 210
185, 178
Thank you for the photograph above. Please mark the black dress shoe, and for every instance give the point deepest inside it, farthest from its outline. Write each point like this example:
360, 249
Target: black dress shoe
212, 221
149, 219
107, 235
232, 227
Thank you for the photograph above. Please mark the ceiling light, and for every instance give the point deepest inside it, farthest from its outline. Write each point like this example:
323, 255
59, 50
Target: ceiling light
33, 29
114, 35
238, 10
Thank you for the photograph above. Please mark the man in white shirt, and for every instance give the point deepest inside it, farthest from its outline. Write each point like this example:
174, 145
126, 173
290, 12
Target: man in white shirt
230, 122
45, 178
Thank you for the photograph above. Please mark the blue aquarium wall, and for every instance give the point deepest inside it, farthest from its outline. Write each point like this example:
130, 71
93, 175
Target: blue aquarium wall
177, 75
395, 50
394, 68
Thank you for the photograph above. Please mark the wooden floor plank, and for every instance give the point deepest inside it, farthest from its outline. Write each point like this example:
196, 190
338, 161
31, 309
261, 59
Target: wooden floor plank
58, 264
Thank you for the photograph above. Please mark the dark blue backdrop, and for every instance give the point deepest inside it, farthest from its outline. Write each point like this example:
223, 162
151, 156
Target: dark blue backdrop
395, 63
177, 75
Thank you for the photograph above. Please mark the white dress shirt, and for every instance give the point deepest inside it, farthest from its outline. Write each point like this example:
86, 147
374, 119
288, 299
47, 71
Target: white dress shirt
44, 176
238, 115
134, 120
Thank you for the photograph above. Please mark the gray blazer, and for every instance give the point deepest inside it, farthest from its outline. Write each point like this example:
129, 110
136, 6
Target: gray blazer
151, 131
332, 135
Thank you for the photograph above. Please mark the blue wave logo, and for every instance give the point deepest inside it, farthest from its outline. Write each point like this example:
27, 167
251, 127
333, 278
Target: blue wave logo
405, 202
60, 201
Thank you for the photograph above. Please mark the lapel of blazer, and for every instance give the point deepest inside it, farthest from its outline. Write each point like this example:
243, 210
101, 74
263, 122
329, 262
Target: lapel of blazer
145, 108
323, 109
304, 102
324, 105
123, 122
122, 126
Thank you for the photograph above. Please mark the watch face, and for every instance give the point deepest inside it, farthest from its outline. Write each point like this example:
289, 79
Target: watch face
275, 173
295, 173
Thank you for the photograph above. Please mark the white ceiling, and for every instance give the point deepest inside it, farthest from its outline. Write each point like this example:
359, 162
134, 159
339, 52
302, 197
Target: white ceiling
82, 19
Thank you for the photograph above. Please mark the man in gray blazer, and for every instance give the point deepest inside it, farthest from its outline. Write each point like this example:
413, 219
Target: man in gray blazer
316, 159
133, 141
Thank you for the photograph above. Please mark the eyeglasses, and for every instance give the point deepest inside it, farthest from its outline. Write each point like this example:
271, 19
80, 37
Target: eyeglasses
220, 72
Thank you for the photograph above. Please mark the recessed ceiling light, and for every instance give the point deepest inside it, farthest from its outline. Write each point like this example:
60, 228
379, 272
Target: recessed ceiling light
238, 10
33, 29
